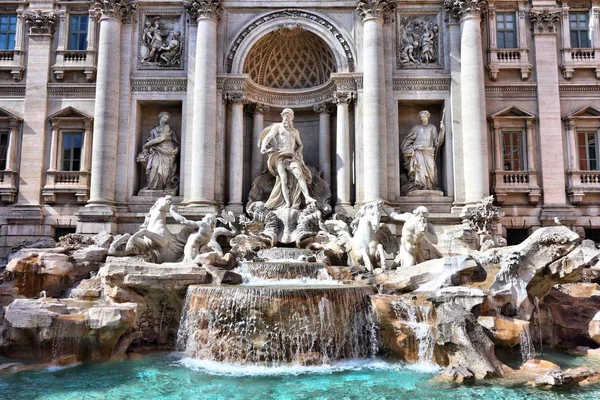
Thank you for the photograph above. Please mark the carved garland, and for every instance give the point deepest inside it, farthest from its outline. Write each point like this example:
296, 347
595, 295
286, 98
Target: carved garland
295, 14
117, 9
545, 21
203, 8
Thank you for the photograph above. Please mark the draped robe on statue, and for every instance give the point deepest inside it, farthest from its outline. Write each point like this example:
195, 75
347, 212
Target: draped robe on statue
161, 166
419, 150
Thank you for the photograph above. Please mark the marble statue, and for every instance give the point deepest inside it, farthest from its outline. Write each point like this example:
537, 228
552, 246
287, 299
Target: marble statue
153, 39
419, 149
161, 42
366, 238
281, 141
171, 53
160, 156
200, 237
418, 41
416, 229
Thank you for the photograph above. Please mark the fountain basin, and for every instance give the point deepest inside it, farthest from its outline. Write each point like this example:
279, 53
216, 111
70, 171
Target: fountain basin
307, 325
279, 270
284, 253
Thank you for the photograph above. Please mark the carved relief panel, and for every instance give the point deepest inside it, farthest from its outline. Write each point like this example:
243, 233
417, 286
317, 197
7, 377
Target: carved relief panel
161, 40
419, 39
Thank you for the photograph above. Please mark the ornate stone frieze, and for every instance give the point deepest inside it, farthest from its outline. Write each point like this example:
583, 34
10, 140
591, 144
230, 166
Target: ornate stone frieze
343, 97
161, 42
71, 90
466, 8
203, 8
117, 9
545, 21
159, 85
421, 84
260, 94
287, 14
40, 23
419, 41
375, 9
12, 90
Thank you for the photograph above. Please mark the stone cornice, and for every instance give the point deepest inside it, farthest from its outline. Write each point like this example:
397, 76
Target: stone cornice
545, 21
115, 9
40, 23
203, 8
466, 8
421, 83
158, 85
375, 9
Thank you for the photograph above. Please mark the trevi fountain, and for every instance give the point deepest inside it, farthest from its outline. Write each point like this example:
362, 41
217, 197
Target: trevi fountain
290, 300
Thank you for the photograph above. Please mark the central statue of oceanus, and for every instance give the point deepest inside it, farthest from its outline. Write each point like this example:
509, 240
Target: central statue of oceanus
281, 141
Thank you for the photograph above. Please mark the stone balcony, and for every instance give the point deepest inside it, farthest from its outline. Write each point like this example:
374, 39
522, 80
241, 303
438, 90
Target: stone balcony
70, 182
581, 183
506, 183
8, 186
580, 59
13, 61
75, 60
509, 59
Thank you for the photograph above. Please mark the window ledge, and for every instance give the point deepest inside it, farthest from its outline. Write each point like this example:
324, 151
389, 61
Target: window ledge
582, 182
573, 59
516, 182
72, 182
13, 61
509, 59
8, 186
75, 60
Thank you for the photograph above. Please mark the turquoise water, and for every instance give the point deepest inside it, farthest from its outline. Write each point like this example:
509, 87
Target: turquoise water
167, 377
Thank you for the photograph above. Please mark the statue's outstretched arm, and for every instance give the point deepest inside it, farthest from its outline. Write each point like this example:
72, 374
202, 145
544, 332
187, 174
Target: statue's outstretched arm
181, 219
267, 139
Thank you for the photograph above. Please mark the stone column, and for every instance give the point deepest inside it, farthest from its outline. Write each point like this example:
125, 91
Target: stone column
552, 156
236, 152
33, 146
11, 152
258, 113
324, 140
474, 129
54, 150
106, 112
204, 123
343, 162
393, 137
373, 13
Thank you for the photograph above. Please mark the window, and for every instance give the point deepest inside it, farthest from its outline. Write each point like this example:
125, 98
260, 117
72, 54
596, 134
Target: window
4, 138
512, 151
72, 142
579, 28
588, 151
8, 31
506, 31
78, 28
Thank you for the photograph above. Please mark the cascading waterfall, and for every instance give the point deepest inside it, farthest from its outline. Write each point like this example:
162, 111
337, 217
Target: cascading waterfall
277, 325
417, 317
527, 347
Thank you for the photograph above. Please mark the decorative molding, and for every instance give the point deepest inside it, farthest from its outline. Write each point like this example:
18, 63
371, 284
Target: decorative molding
344, 82
40, 23
12, 90
163, 47
545, 21
258, 108
72, 90
327, 108
421, 84
159, 84
343, 97
203, 8
579, 88
368, 9
419, 39
292, 98
293, 14
234, 97
460, 9
511, 88
121, 10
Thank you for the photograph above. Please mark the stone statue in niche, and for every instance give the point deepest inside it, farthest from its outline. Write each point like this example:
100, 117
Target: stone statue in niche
418, 42
281, 141
419, 149
159, 155
416, 228
161, 42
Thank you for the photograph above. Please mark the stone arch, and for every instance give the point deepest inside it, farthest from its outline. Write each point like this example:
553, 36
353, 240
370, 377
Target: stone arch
330, 32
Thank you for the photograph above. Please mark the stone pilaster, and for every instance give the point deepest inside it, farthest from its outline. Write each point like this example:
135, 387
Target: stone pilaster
373, 13
552, 157
204, 124
258, 124
474, 130
325, 139
393, 138
343, 161
33, 146
235, 152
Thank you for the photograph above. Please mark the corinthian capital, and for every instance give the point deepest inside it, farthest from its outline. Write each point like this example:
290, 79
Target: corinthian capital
40, 23
375, 8
544, 21
117, 9
466, 8
343, 97
234, 97
203, 8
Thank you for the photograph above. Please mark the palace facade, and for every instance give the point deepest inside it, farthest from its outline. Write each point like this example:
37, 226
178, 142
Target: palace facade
515, 83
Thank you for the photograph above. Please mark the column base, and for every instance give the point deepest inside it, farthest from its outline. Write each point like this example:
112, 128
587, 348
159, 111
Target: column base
344, 208
95, 218
236, 208
25, 214
197, 210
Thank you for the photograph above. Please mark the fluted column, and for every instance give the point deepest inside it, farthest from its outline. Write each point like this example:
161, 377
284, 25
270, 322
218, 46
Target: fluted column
258, 124
106, 112
325, 139
373, 13
236, 152
204, 122
343, 163
472, 92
